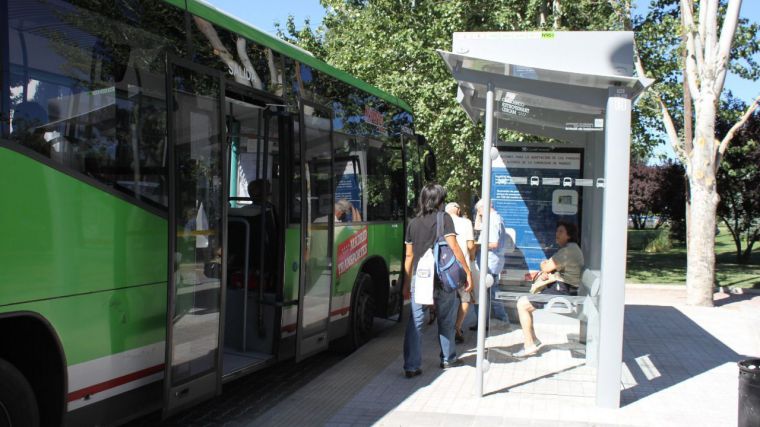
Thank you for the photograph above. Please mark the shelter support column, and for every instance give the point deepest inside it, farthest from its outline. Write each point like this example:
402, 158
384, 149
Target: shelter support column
483, 303
617, 133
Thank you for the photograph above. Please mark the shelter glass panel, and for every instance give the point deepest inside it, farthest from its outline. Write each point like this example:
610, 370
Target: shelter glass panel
547, 209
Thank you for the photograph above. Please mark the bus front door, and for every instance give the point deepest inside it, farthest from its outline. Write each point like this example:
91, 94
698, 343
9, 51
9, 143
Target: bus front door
318, 216
197, 209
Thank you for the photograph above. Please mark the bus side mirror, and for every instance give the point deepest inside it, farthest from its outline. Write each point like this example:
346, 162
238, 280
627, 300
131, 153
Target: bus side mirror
429, 166
428, 159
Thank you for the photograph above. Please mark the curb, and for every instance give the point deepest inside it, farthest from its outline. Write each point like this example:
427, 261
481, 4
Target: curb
738, 291
734, 290
666, 286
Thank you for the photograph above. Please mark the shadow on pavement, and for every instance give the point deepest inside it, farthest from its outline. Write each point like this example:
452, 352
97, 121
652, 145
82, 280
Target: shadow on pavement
724, 299
245, 399
388, 389
663, 347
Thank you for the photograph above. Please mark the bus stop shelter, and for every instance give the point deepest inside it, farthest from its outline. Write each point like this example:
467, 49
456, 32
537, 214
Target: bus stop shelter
574, 89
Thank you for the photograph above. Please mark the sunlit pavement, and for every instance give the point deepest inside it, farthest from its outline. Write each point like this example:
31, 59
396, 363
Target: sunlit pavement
679, 369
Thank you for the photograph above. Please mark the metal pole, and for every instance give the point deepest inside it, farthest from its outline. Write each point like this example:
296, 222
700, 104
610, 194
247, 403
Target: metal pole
483, 306
244, 339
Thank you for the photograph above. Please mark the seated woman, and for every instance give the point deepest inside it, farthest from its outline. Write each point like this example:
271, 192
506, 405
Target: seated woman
565, 266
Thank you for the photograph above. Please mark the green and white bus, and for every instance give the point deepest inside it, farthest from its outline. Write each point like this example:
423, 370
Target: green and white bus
186, 200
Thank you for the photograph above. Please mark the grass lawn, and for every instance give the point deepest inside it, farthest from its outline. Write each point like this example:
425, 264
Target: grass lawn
669, 267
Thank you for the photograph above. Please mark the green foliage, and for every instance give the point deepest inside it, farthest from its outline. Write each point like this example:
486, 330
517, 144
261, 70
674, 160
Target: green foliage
739, 179
669, 267
650, 240
391, 44
660, 243
306, 37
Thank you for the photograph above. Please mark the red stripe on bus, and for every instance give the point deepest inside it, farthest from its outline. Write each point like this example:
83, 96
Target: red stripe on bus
97, 388
340, 311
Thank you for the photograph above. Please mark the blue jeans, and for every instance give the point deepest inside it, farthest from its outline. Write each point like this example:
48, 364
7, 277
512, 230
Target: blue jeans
446, 306
497, 307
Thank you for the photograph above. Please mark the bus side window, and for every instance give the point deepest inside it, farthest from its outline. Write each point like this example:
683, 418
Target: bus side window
385, 182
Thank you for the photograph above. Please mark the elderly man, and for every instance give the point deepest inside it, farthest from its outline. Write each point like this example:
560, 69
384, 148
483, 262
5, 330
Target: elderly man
466, 241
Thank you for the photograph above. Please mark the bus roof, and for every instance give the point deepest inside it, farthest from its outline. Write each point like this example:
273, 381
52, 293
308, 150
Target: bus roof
223, 19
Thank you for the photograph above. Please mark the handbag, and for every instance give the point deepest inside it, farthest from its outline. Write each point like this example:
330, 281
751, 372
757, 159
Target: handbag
424, 277
539, 284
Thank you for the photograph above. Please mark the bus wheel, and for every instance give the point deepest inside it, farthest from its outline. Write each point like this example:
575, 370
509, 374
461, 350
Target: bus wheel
363, 311
18, 406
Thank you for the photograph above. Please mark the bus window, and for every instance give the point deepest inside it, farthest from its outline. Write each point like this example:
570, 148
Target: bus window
241, 60
90, 98
350, 179
385, 181
295, 168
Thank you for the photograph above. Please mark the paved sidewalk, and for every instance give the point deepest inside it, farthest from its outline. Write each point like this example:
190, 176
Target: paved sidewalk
679, 369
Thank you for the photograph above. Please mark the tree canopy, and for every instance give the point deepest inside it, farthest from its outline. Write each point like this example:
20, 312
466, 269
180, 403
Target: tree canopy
391, 44
657, 191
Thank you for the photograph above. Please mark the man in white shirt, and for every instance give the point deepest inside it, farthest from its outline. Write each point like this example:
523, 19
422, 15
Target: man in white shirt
466, 241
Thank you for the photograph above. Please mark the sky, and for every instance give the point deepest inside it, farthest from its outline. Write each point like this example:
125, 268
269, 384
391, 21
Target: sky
266, 13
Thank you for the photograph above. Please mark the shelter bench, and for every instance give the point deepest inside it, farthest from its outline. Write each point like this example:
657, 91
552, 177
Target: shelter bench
583, 306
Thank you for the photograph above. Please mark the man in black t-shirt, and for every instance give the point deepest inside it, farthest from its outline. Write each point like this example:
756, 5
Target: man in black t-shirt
421, 234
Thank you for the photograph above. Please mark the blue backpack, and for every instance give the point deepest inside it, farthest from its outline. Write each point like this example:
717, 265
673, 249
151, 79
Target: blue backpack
450, 272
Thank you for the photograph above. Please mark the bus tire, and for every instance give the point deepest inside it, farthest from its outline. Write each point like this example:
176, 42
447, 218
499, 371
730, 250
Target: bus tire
362, 314
18, 406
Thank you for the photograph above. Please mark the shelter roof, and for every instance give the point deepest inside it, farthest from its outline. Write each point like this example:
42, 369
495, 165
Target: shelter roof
543, 85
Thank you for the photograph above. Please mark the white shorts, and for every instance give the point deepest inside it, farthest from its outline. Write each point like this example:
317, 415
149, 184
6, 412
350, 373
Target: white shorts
465, 296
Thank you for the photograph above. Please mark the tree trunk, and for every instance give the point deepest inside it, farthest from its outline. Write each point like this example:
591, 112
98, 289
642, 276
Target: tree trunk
747, 255
688, 138
737, 239
542, 15
738, 244
687, 208
636, 222
700, 271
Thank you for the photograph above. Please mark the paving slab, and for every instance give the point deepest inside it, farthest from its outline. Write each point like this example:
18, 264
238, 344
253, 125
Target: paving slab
679, 368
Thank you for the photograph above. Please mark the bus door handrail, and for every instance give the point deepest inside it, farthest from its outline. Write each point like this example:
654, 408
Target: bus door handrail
245, 273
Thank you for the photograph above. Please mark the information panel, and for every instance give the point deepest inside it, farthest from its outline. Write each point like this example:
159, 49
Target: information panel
533, 188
